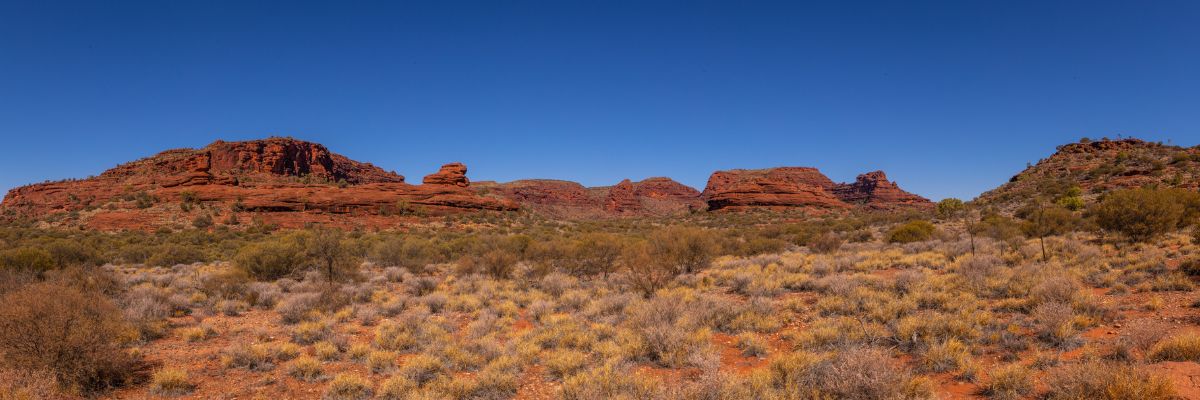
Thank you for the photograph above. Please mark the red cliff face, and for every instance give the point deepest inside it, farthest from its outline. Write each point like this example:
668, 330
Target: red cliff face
804, 187
281, 180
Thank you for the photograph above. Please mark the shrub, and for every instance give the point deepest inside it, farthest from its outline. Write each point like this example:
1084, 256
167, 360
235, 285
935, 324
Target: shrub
1042, 220
597, 253
1143, 214
168, 255
326, 351
348, 387
171, 382
358, 351
1179, 348
272, 259
912, 231
1190, 267
945, 356
396, 388
645, 272
751, 345
74, 335
1011, 381
202, 221
381, 361
608, 382
825, 243
563, 362
421, 368
18, 384
251, 357
410, 252
855, 373
27, 260
199, 333
296, 307
311, 332
72, 253
685, 249
1100, 380
306, 368
1054, 323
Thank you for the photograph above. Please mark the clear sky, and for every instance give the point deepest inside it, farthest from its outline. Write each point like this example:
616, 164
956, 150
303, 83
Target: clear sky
950, 98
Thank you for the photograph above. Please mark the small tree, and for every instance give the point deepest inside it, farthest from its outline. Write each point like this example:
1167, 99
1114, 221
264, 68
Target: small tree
1041, 220
328, 248
950, 208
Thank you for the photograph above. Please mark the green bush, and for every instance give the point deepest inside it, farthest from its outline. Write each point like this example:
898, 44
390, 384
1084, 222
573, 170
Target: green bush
687, 249
912, 231
1143, 214
172, 254
271, 259
69, 252
27, 259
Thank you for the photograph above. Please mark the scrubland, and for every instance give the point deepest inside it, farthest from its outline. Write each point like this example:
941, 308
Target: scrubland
736, 306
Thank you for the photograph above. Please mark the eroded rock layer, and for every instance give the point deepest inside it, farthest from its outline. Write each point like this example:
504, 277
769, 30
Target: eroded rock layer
803, 187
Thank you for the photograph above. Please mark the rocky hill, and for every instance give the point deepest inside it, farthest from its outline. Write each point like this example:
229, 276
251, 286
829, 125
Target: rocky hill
1098, 166
291, 183
805, 187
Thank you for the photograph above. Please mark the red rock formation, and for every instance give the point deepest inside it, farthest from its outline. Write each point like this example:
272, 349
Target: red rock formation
454, 174
571, 200
874, 190
803, 187
775, 187
621, 198
277, 177
665, 188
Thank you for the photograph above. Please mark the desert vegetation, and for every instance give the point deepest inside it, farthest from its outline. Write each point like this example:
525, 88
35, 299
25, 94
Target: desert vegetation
1053, 300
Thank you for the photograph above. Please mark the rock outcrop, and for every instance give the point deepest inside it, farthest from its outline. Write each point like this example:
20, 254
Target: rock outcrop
803, 187
453, 174
621, 198
874, 190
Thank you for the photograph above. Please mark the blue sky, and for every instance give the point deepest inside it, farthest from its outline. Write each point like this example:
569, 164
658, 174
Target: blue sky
950, 98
